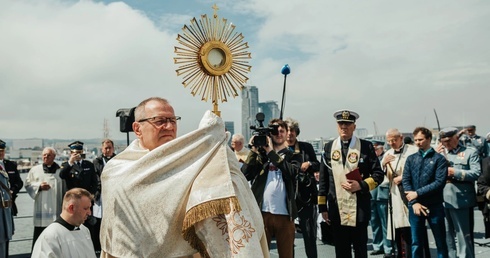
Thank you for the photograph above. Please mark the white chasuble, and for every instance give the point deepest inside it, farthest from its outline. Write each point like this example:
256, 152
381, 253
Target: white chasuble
347, 201
185, 196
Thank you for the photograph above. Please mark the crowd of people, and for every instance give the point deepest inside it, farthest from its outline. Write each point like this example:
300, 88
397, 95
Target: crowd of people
194, 196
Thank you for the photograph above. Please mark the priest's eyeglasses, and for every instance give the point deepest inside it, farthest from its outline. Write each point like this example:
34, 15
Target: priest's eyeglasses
159, 121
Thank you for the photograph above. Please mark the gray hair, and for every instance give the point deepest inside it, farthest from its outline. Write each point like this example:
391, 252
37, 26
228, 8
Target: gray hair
393, 132
139, 112
292, 124
238, 137
50, 149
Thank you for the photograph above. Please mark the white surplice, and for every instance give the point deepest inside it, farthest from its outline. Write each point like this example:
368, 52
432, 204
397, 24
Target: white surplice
47, 203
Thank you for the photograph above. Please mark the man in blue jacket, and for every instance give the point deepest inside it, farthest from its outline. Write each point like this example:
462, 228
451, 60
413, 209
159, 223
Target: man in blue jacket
424, 178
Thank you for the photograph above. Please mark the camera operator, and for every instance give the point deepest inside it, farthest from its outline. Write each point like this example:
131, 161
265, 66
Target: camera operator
306, 190
272, 171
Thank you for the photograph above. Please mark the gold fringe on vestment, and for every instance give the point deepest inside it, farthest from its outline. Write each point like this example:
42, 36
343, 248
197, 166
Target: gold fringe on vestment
204, 211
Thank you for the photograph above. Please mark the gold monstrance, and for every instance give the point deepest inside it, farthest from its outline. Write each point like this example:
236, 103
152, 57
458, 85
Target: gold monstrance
212, 58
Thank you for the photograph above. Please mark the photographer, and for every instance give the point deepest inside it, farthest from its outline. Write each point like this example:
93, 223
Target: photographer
306, 191
78, 172
270, 168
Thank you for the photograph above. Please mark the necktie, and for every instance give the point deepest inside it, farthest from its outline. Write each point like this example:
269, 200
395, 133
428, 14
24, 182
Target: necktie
78, 163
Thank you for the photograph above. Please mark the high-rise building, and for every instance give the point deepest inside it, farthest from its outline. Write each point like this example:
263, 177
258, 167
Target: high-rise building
250, 107
230, 127
270, 110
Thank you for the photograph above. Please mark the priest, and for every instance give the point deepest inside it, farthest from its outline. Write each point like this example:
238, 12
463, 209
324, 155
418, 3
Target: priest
175, 197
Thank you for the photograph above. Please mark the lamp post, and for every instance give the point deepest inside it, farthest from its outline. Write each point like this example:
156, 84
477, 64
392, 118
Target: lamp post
285, 70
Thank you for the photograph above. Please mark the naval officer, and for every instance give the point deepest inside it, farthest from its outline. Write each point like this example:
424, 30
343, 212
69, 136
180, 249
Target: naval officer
350, 169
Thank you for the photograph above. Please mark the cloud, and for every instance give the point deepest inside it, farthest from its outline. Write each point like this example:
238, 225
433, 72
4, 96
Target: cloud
65, 66
393, 62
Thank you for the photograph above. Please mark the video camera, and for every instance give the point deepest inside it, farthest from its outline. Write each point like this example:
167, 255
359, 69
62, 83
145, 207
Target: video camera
261, 132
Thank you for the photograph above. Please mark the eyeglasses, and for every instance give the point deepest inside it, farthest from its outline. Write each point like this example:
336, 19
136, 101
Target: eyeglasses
159, 121
393, 140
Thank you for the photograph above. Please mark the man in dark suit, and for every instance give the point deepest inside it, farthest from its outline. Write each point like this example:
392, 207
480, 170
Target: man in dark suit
349, 171
99, 163
306, 192
484, 190
14, 177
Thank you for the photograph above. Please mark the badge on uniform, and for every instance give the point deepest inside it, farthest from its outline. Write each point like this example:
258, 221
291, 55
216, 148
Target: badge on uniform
353, 157
461, 155
336, 155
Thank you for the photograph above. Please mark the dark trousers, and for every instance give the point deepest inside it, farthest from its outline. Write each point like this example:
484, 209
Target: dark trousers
307, 222
403, 239
95, 234
35, 236
346, 236
282, 228
436, 222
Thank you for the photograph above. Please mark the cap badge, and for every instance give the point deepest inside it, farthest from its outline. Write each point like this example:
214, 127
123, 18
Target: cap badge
345, 114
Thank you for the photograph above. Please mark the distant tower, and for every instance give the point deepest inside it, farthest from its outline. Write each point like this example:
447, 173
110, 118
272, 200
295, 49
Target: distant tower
106, 129
250, 107
270, 110
230, 127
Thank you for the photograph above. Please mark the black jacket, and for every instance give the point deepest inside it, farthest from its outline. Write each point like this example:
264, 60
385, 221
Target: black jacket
306, 192
83, 177
15, 182
256, 169
369, 167
99, 166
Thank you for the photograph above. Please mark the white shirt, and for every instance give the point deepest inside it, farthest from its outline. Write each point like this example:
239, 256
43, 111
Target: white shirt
275, 193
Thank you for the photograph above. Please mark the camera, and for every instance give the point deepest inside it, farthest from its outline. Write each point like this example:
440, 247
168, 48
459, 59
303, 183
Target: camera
261, 132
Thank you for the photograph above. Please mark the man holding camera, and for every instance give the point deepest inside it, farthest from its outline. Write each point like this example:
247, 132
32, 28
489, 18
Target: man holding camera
459, 193
271, 170
78, 172
349, 171
306, 192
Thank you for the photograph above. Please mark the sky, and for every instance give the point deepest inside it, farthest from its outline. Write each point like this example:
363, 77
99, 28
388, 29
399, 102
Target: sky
66, 66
